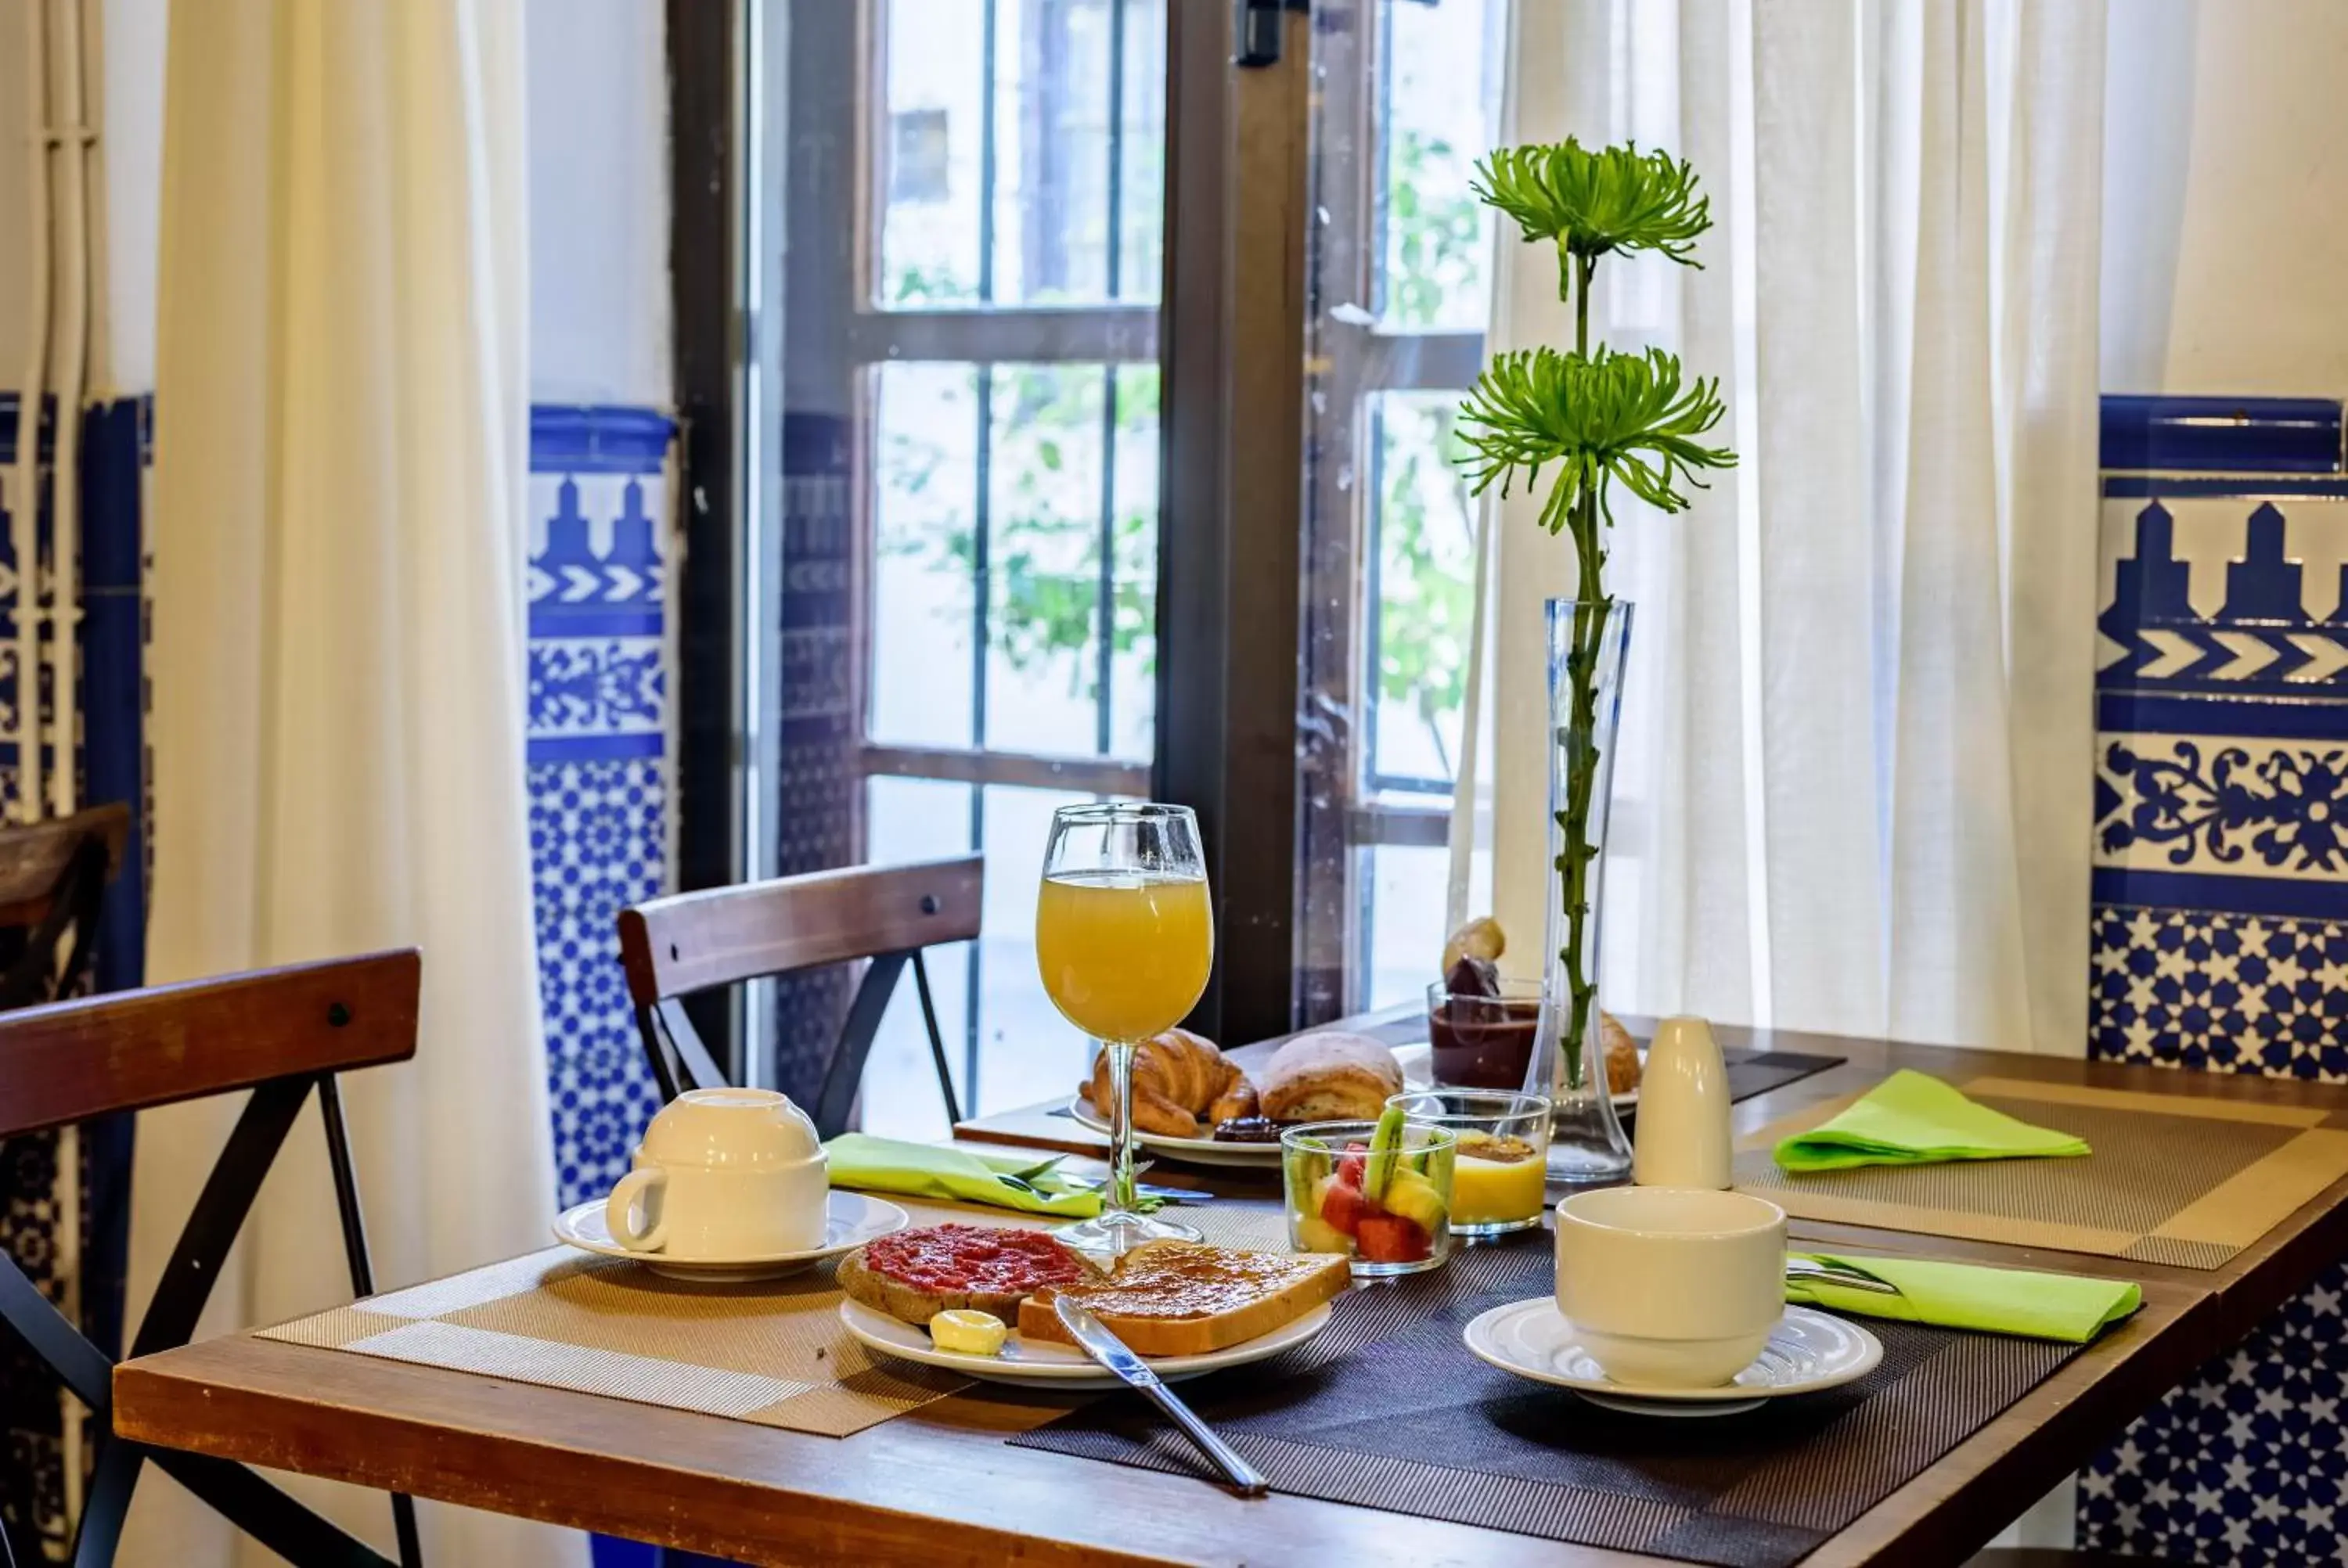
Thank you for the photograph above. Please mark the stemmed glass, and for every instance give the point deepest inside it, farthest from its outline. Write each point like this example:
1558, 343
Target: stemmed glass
1124, 938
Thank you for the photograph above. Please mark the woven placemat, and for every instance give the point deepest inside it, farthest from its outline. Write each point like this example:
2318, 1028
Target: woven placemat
2171, 1179
1385, 1409
771, 1352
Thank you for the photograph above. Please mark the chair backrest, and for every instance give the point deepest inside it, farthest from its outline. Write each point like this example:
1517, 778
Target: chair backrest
71, 1060
280, 1034
673, 947
693, 941
33, 857
53, 877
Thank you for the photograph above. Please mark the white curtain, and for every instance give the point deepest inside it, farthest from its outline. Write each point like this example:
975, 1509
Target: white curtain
338, 534
1853, 785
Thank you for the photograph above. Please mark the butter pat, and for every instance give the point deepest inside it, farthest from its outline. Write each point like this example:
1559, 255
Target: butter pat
966, 1333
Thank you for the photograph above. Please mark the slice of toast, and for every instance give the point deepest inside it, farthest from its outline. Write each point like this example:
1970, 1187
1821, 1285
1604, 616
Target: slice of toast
1183, 1298
913, 1305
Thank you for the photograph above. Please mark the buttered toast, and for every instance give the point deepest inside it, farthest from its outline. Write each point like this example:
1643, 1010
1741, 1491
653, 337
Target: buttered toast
1183, 1298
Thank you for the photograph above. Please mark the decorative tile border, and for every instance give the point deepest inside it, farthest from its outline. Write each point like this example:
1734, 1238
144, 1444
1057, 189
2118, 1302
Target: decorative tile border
2220, 906
600, 675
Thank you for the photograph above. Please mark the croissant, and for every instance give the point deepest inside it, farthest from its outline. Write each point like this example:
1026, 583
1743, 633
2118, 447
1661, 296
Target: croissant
1178, 1078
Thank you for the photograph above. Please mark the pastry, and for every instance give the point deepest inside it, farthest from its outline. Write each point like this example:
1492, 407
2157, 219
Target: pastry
1180, 1081
1480, 938
1329, 1076
1184, 1298
1621, 1054
915, 1275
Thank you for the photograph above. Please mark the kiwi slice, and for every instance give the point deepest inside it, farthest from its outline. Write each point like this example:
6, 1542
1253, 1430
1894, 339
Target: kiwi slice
1378, 1169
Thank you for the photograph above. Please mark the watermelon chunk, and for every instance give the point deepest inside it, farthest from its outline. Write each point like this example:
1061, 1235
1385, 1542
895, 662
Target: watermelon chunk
1342, 1206
1390, 1238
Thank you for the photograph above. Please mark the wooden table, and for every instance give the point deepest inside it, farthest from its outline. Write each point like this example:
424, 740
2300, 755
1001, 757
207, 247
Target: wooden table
940, 1486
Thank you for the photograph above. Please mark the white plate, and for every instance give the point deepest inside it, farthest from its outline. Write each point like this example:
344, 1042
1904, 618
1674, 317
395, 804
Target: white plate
1806, 1351
854, 1218
1061, 1366
1416, 1061
1197, 1151
1413, 1059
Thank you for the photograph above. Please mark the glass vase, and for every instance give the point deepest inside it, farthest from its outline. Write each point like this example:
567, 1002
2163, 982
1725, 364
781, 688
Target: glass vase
1588, 640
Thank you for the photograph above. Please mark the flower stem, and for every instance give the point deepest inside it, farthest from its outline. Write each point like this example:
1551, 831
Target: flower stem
1576, 857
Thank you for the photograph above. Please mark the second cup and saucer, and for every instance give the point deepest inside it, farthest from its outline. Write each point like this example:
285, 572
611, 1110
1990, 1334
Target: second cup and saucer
729, 1185
1672, 1302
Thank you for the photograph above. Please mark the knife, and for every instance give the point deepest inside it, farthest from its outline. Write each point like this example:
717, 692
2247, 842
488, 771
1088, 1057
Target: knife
1130, 1369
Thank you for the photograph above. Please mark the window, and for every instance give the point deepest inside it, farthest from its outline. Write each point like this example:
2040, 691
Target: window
962, 250
970, 452
1400, 292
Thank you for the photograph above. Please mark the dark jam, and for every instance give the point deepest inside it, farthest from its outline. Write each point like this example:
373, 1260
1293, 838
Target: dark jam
1482, 1042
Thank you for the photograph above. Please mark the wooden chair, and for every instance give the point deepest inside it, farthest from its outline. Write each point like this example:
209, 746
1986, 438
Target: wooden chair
673, 947
53, 877
280, 1034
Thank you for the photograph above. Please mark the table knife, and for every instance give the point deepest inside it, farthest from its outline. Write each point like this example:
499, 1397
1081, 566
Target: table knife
1116, 1356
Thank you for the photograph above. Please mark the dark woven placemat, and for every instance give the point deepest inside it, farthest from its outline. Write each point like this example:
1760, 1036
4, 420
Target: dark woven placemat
1387, 1408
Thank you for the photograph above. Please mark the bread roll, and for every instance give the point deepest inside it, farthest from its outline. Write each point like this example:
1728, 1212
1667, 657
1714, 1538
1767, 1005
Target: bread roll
1329, 1077
1622, 1055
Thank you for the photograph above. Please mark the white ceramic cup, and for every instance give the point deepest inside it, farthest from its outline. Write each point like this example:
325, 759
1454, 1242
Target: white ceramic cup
724, 1174
1670, 1287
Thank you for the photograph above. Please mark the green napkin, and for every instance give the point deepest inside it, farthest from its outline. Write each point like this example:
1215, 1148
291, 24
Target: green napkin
932, 1170
1911, 1119
2064, 1306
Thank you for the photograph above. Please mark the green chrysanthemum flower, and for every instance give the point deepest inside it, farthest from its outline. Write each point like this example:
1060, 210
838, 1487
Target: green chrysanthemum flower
1606, 418
1590, 203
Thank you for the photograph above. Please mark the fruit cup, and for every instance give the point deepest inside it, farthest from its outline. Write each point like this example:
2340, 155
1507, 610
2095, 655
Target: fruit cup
1500, 1162
1379, 1193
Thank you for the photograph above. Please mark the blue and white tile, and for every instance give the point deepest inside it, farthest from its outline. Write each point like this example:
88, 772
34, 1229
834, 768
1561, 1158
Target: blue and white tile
2220, 915
598, 725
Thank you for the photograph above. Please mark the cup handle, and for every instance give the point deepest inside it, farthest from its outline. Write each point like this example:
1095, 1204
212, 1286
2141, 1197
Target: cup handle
619, 1210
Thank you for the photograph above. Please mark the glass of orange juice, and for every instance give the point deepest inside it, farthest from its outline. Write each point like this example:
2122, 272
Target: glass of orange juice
1124, 938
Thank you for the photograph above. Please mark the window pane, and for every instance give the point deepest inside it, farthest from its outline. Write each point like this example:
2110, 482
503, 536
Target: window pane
1442, 96
1141, 196
924, 510
917, 819
1043, 556
1024, 216
1133, 681
1027, 1051
1422, 614
930, 154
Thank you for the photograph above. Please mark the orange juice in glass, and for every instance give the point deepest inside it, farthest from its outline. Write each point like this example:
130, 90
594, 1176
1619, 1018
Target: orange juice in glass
1124, 954
1125, 938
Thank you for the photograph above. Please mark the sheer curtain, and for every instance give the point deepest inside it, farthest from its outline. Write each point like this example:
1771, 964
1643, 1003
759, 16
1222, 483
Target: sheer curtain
337, 731
1853, 787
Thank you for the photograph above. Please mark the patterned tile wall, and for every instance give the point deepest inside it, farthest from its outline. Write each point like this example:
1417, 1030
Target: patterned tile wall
601, 488
600, 787
33, 1198
2220, 919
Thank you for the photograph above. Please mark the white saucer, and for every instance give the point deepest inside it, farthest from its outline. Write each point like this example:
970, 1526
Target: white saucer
1061, 1366
1807, 1351
854, 1218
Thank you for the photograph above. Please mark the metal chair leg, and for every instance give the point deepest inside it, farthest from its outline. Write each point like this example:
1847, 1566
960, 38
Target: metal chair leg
937, 1039
354, 1253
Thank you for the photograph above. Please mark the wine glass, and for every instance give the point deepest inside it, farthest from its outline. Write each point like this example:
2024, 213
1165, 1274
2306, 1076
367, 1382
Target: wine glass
1124, 938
